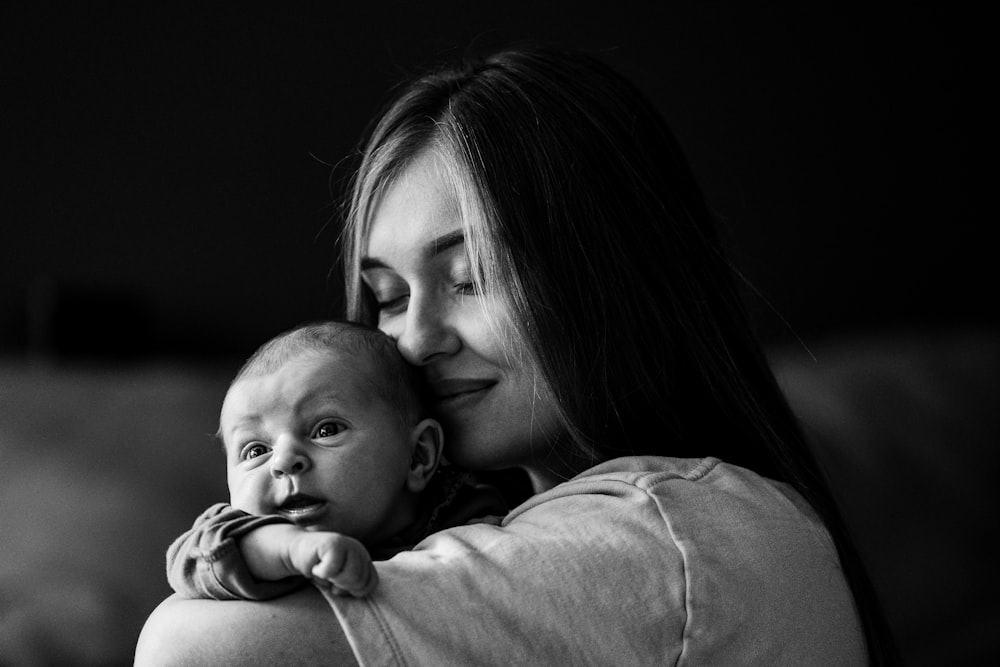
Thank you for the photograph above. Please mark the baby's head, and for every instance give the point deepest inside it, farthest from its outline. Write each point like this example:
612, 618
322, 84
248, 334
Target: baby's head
325, 426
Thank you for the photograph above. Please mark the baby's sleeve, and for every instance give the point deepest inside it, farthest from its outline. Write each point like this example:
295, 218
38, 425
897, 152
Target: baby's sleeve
206, 562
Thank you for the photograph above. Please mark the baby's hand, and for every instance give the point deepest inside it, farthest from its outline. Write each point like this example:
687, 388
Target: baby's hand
337, 562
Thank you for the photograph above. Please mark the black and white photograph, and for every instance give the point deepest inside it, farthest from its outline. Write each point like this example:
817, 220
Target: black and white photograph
512, 333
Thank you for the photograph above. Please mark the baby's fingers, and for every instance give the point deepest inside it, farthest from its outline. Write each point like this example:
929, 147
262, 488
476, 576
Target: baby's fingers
351, 574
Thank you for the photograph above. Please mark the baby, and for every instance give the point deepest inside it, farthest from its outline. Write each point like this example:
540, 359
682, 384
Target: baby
332, 460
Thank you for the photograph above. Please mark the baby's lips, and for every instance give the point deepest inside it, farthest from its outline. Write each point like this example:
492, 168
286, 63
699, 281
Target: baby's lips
299, 501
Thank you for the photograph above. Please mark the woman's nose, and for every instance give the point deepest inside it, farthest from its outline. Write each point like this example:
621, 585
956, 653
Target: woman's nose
289, 458
428, 331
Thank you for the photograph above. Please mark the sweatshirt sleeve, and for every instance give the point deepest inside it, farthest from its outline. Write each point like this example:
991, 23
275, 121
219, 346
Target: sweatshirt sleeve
206, 562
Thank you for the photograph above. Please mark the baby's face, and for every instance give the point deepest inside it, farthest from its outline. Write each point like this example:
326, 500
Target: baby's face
313, 443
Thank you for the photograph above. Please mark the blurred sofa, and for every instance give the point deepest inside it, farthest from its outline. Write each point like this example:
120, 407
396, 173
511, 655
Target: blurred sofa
102, 466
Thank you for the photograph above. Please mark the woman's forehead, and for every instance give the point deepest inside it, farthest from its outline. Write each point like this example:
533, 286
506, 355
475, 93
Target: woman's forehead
419, 210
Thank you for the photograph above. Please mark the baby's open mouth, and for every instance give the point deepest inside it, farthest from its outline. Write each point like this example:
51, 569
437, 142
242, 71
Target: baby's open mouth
300, 504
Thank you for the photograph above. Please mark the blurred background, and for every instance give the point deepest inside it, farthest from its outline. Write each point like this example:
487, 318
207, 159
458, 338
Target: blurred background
169, 187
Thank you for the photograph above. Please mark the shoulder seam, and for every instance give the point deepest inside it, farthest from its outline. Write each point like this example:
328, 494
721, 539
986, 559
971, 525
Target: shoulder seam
706, 466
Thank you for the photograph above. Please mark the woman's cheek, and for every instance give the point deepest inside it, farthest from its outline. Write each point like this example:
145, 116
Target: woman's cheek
488, 339
494, 336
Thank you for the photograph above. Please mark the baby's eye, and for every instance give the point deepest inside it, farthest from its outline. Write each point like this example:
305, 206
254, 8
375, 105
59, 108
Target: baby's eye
328, 429
252, 451
467, 288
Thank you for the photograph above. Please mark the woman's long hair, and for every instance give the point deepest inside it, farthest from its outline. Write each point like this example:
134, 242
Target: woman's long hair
578, 200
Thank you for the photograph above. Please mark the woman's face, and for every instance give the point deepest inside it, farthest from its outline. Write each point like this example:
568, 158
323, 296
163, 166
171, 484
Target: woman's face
496, 411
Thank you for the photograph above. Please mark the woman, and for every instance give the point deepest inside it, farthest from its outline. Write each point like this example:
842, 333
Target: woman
528, 230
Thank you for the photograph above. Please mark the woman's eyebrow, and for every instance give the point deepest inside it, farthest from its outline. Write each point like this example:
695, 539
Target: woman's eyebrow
447, 241
437, 246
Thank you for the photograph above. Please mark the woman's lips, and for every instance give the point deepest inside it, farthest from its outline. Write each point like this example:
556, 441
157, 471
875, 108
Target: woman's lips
455, 393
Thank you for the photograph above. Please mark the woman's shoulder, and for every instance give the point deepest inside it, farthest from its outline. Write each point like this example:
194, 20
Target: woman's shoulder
738, 540
640, 560
672, 487
712, 514
706, 510
643, 467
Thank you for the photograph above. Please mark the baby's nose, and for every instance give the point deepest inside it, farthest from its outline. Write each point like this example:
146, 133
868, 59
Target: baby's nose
289, 458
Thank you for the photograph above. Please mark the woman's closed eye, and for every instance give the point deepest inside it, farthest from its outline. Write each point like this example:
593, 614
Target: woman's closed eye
391, 294
397, 304
392, 305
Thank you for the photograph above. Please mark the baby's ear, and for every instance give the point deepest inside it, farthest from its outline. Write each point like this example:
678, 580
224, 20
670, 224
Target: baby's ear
428, 440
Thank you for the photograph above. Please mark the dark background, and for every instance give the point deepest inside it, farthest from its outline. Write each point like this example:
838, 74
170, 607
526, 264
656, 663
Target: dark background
167, 189
168, 179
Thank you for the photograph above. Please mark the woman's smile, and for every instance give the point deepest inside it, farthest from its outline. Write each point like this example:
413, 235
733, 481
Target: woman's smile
454, 394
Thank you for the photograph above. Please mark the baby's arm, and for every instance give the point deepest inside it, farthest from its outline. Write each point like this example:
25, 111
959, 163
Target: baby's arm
212, 560
205, 562
330, 560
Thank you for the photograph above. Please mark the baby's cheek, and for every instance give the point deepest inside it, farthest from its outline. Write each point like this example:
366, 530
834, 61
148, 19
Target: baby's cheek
246, 493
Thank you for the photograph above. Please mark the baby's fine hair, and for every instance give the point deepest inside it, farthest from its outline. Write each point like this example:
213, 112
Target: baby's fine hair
391, 378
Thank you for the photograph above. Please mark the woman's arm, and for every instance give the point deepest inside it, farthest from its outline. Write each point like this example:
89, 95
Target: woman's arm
297, 629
